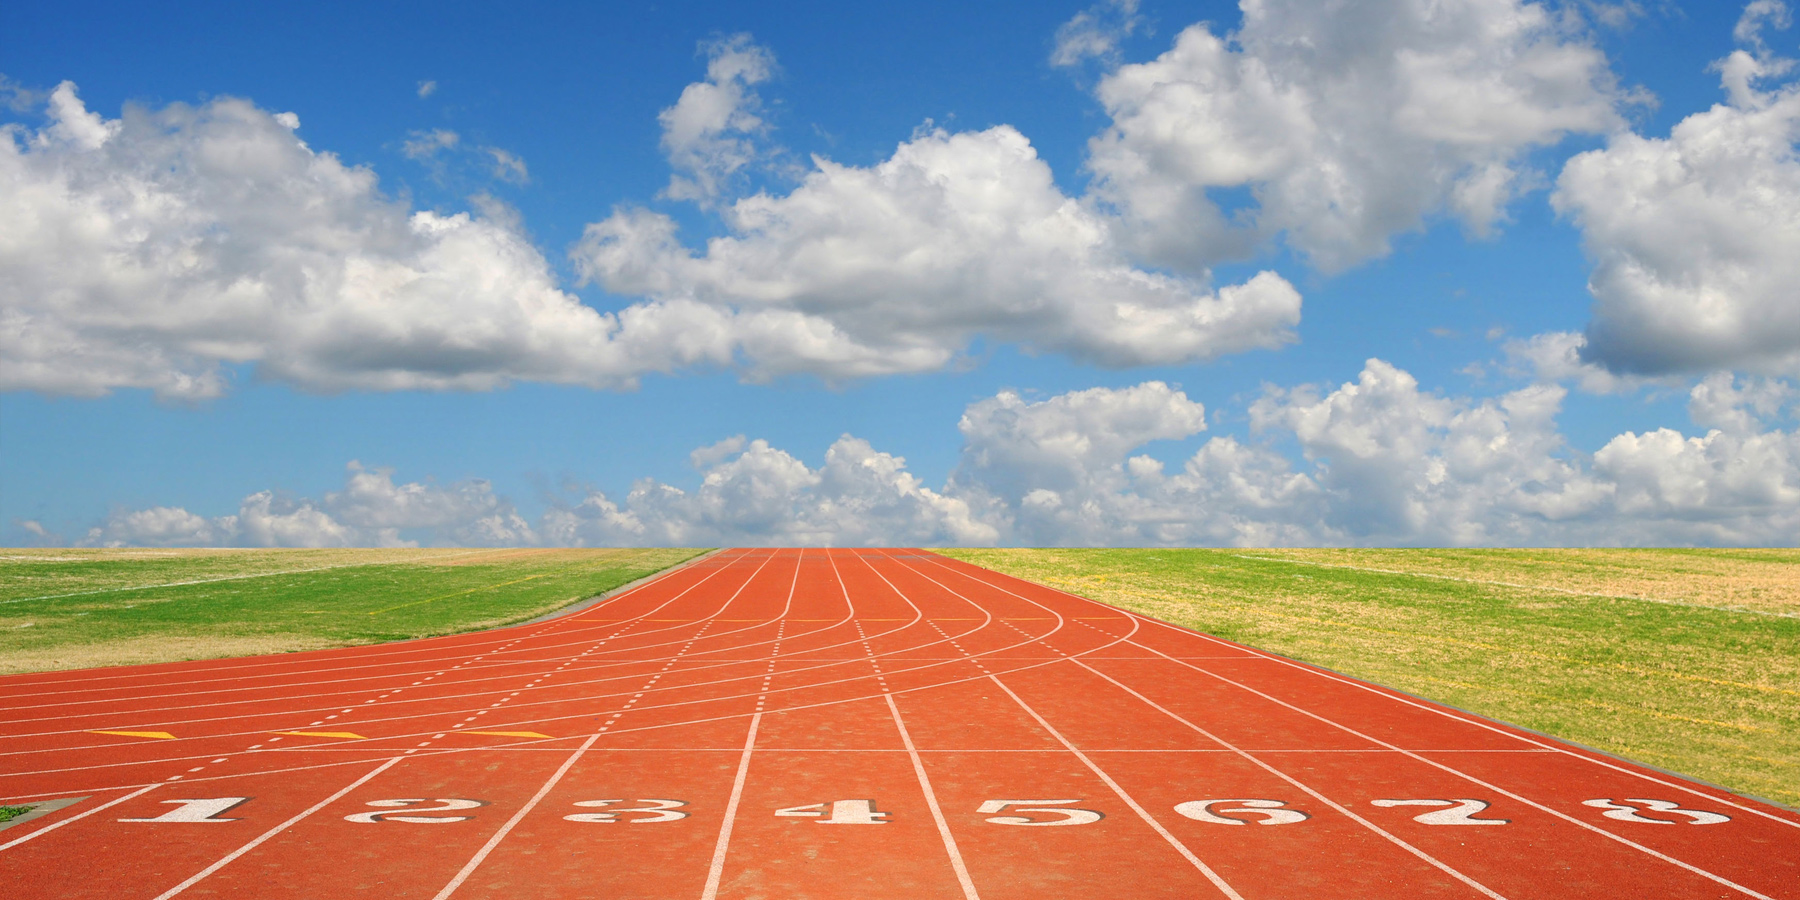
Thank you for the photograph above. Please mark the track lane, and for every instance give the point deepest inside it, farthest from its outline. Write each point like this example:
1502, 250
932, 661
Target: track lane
932, 687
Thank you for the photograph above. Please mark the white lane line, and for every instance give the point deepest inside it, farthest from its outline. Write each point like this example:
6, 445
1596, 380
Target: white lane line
203, 873
716, 872
1387, 693
487, 848
76, 818
1397, 841
1142, 813
1720, 879
937, 812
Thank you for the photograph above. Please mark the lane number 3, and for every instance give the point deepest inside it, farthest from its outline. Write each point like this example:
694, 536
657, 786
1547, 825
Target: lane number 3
653, 810
1617, 809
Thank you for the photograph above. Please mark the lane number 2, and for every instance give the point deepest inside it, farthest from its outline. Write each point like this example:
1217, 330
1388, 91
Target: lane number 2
1617, 809
1046, 807
409, 811
653, 810
1269, 812
1461, 812
843, 812
205, 810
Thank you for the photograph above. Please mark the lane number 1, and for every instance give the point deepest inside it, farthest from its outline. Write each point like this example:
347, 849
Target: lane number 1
204, 810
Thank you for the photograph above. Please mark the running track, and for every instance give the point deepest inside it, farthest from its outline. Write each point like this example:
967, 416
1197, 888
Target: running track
844, 724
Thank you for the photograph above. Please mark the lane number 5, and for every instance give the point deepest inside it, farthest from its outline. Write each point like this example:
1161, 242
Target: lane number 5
1045, 807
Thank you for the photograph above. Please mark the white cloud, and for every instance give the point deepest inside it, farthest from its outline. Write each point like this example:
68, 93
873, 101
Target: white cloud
427, 88
709, 134
1381, 461
1555, 356
508, 167
1095, 33
1347, 123
157, 249
896, 267
752, 493
1695, 238
426, 145
370, 511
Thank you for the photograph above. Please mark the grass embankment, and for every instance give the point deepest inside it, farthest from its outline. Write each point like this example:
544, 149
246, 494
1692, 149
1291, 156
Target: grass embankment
1687, 660
66, 609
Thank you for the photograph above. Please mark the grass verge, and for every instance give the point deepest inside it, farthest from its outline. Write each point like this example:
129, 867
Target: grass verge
67, 609
1686, 660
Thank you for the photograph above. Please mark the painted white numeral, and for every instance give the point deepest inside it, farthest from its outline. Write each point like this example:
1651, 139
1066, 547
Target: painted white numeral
1047, 807
1273, 812
843, 812
370, 818
196, 810
1462, 812
657, 811
1618, 810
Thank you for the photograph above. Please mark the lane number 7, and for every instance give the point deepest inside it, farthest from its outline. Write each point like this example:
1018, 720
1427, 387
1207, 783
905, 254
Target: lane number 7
1045, 807
1462, 811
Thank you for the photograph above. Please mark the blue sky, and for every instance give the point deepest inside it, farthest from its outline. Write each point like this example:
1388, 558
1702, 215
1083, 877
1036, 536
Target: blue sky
1103, 274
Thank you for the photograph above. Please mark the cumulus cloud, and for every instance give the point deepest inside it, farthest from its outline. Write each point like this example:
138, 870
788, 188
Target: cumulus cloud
427, 88
752, 493
370, 511
1346, 124
164, 248
1695, 238
1378, 460
897, 266
709, 134
158, 249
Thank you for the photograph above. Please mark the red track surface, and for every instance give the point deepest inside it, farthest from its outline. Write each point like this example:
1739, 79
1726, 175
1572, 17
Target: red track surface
868, 724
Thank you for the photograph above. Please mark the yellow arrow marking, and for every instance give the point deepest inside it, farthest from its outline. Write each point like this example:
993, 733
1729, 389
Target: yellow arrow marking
524, 734
159, 735
347, 735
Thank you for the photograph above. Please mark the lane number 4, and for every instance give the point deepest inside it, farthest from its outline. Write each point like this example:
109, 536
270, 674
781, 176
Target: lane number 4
843, 812
653, 810
1057, 808
1461, 812
1617, 809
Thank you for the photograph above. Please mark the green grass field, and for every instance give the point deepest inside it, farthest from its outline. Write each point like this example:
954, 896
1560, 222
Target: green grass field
66, 609
1687, 660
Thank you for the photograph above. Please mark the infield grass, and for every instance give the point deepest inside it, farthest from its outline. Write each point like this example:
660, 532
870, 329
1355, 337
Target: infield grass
1688, 660
68, 609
